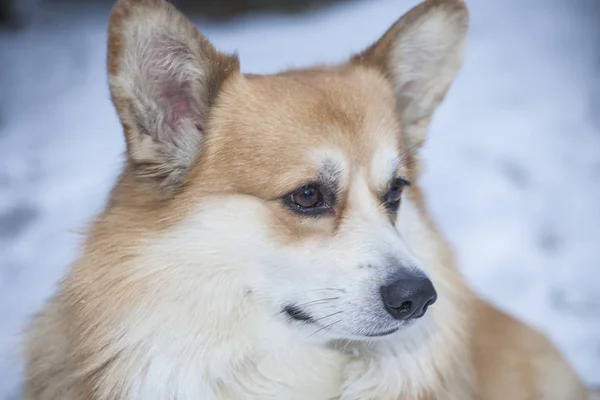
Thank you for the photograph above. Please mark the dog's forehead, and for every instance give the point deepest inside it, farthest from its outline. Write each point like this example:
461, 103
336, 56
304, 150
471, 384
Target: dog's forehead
354, 108
316, 121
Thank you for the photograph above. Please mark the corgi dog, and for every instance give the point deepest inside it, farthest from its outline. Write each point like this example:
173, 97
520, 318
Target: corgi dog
268, 237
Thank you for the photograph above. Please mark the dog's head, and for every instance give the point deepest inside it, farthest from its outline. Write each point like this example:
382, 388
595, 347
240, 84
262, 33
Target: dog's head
289, 186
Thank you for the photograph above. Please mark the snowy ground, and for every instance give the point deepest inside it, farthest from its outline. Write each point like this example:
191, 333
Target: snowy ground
514, 160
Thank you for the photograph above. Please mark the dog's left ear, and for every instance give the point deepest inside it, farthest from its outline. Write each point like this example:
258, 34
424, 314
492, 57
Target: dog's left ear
164, 78
421, 55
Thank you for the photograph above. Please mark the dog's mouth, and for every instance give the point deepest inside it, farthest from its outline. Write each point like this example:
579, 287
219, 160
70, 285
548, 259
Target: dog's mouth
383, 333
295, 313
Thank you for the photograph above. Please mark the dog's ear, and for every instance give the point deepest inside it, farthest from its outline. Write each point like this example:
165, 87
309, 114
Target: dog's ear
420, 55
164, 76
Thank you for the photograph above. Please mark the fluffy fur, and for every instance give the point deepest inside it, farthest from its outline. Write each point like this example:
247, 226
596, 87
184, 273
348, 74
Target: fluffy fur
179, 291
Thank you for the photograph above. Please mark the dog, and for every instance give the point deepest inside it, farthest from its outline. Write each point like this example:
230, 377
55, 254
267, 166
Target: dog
268, 237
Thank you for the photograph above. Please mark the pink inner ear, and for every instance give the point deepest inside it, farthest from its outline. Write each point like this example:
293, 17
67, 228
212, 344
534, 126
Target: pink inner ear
178, 106
180, 103
166, 64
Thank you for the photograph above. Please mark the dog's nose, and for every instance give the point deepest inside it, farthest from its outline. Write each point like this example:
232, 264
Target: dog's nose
408, 297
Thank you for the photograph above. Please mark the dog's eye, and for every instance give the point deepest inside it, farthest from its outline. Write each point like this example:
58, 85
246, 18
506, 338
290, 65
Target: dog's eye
307, 197
310, 200
394, 195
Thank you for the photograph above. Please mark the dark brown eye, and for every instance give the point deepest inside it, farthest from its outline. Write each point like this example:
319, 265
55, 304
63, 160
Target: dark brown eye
307, 197
311, 200
394, 195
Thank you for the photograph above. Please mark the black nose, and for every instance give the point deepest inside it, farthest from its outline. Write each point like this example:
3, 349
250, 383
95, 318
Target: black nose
409, 296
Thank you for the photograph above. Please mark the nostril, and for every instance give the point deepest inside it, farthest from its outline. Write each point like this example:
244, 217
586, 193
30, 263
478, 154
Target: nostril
424, 310
404, 308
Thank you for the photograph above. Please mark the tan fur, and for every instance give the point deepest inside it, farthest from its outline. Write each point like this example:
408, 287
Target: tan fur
253, 139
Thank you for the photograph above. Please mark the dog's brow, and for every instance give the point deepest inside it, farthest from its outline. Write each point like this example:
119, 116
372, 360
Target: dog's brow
331, 171
331, 174
384, 167
332, 166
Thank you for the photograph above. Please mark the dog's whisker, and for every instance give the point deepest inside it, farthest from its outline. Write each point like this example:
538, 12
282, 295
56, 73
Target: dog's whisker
325, 327
317, 301
327, 316
409, 149
338, 289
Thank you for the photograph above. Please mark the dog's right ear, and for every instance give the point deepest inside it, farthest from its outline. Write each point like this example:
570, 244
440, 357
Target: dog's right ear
421, 55
164, 76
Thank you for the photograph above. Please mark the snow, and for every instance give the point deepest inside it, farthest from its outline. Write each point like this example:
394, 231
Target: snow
513, 162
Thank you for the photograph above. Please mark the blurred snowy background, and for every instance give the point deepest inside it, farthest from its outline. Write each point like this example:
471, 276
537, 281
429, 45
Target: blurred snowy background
513, 161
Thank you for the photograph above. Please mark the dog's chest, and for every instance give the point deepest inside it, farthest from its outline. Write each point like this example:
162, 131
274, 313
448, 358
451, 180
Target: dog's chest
292, 373
297, 373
